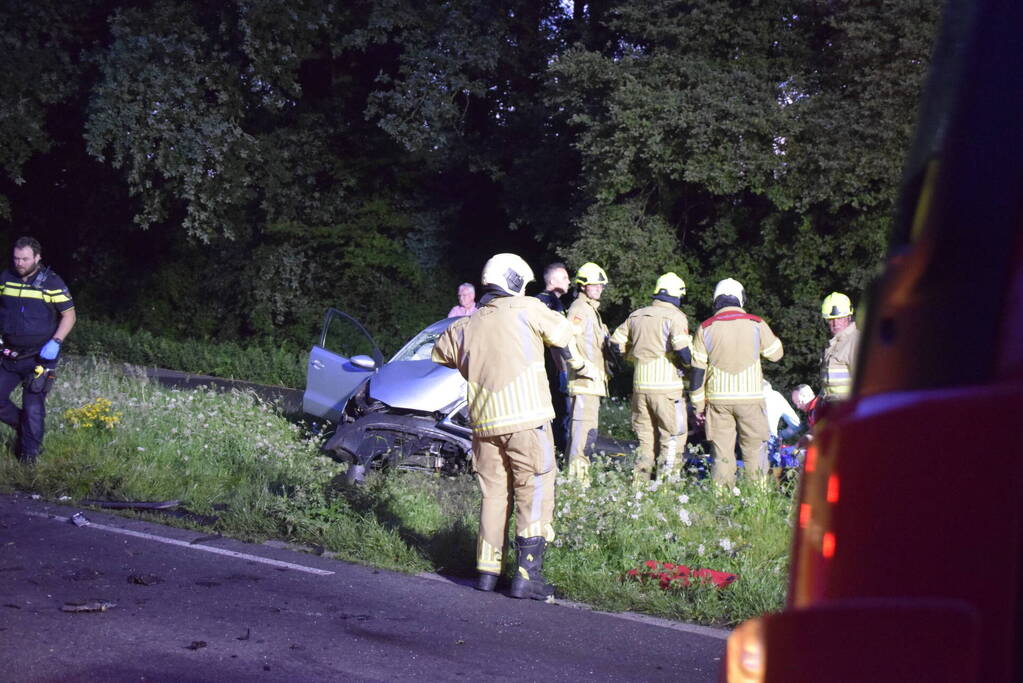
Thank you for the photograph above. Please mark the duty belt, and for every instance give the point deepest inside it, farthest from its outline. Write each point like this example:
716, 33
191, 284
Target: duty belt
8, 352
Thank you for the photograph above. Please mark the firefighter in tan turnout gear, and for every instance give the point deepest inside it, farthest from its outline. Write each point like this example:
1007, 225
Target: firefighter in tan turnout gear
591, 336
656, 340
499, 350
729, 345
838, 361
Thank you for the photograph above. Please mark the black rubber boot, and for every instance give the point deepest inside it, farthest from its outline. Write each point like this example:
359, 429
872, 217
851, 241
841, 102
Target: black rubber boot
486, 582
529, 581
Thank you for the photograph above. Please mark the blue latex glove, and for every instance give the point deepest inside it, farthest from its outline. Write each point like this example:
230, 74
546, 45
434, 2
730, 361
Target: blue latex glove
50, 350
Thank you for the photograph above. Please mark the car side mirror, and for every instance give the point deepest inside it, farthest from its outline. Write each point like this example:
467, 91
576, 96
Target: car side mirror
364, 362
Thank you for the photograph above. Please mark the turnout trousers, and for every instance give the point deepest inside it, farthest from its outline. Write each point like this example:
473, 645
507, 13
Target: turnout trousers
582, 434
659, 421
749, 421
517, 468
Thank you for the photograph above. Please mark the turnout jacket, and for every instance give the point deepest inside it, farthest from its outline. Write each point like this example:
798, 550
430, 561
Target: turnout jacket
838, 364
729, 346
650, 336
30, 311
590, 335
499, 350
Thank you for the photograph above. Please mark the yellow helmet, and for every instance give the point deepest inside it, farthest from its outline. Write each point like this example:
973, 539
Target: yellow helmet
836, 305
509, 272
670, 284
590, 274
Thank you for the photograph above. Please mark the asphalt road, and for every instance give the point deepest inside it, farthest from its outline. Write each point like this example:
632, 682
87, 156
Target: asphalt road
188, 607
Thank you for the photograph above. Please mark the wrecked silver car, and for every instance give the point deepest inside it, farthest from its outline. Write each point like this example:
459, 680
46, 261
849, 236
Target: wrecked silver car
408, 412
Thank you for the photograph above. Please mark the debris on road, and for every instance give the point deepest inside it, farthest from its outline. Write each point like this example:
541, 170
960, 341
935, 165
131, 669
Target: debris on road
78, 519
144, 579
93, 606
196, 645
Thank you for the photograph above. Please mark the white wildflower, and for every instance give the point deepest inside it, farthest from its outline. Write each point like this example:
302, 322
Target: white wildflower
736, 491
683, 499
683, 515
140, 449
726, 544
700, 550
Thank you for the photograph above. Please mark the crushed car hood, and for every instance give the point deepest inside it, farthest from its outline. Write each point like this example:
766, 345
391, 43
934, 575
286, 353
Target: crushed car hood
417, 385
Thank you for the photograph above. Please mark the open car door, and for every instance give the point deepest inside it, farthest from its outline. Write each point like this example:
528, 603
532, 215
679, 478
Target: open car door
345, 357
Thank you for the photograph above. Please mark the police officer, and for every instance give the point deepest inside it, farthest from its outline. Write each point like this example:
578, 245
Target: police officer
499, 351
728, 346
37, 313
556, 281
591, 335
656, 339
839, 358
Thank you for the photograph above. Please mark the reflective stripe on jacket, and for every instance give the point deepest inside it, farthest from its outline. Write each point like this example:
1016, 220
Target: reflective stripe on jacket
729, 345
590, 333
499, 351
838, 364
650, 336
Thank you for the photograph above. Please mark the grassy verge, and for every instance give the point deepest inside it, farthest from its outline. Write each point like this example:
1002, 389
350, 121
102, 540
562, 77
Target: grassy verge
232, 456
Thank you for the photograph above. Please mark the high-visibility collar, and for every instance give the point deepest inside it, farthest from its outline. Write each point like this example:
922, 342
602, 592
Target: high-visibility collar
729, 313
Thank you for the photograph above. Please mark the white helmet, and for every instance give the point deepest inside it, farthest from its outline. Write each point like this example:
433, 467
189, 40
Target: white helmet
730, 287
508, 272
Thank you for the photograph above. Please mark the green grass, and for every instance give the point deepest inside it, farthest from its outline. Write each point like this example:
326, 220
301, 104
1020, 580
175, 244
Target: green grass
232, 456
262, 361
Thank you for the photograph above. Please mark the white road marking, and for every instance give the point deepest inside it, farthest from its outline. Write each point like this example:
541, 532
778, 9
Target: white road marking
186, 544
710, 632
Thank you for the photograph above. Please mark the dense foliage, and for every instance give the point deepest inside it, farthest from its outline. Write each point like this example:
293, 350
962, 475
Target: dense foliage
227, 170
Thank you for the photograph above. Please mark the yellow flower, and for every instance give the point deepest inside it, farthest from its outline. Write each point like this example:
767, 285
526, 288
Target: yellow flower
97, 414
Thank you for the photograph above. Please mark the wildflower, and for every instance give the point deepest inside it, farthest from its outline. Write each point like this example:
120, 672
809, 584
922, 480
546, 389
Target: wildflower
140, 449
726, 544
683, 499
736, 491
700, 550
683, 515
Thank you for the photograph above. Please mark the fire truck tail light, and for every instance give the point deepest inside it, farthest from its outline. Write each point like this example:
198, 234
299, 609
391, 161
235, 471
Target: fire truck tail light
833, 488
804, 515
811, 458
828, 545
746, 658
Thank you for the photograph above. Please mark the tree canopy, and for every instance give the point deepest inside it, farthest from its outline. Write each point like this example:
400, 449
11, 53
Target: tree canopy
231, 169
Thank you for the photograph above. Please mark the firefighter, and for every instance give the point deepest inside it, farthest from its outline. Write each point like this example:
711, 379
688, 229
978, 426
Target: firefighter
591, 335
656, 339
499, 350
727, 383
839, 358
37, 313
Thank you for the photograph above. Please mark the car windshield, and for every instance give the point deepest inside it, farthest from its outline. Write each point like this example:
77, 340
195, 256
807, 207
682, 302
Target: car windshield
421, 346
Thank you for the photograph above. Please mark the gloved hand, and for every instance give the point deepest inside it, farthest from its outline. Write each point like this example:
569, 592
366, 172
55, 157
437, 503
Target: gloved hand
50, 350
586, 371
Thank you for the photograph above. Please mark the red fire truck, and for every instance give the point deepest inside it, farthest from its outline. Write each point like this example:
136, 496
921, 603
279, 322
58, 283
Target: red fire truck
907, 556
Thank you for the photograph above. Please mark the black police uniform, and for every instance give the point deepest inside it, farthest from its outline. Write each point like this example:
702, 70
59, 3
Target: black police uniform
29, 313
554, 367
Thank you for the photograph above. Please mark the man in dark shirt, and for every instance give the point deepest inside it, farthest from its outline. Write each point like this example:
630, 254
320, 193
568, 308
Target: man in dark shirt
557, 283
36, 315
